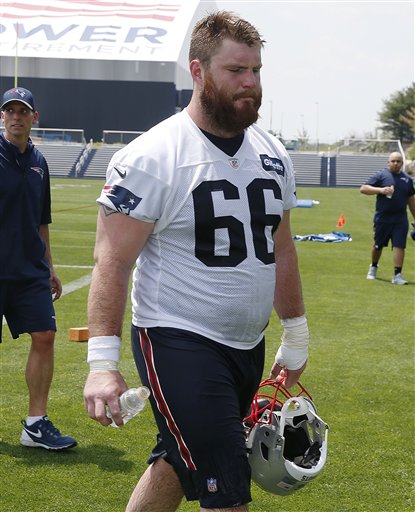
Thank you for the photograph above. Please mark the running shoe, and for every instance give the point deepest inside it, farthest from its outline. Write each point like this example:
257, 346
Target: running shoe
44, 434
372, 272
398, 279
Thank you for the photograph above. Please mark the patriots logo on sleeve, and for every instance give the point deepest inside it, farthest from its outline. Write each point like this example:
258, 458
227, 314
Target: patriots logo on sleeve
270, 163
39, 170
122, 198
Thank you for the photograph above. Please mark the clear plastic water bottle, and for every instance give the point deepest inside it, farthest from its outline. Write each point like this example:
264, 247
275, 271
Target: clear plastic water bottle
132, 402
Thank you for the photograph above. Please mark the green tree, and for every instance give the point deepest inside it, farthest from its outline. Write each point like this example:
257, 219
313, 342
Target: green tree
409, 118
395, 111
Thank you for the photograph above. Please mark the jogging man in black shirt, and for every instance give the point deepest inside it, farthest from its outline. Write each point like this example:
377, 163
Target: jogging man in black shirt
394, 191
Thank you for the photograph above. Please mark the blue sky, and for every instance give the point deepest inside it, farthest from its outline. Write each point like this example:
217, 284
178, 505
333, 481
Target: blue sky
328, 65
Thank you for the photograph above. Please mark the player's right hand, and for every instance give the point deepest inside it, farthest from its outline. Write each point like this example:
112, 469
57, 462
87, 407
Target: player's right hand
102, 390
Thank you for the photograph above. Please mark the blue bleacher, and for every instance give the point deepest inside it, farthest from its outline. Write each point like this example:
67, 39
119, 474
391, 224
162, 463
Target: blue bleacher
61, 158
96, 165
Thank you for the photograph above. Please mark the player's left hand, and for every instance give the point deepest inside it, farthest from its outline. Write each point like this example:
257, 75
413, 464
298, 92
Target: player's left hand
287, 378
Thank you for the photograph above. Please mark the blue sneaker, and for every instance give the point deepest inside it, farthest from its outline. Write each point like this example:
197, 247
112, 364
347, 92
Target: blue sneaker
44, 434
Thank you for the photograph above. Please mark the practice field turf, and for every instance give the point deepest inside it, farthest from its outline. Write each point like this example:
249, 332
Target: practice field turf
360, 373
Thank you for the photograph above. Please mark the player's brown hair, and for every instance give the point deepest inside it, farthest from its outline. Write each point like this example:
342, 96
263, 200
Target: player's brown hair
209, 33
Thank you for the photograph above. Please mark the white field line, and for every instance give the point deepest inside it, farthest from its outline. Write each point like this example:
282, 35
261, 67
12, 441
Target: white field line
76, 285
73, 266
83, 246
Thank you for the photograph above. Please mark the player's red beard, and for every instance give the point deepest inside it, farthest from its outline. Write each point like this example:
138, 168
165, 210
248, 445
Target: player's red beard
220, 107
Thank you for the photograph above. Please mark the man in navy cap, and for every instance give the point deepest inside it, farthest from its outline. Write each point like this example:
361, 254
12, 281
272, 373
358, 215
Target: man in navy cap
28, 282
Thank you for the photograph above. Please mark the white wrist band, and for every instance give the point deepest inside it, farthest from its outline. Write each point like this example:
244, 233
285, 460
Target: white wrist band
293, 322
104, 348
293, 352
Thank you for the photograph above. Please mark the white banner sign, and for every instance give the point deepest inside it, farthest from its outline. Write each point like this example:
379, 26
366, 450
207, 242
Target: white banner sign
101, 29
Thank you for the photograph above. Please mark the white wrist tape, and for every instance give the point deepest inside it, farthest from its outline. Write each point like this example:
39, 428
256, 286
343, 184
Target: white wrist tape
102, 366
293, 352
104, 352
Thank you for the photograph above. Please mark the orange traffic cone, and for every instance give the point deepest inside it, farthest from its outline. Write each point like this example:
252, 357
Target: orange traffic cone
341, 222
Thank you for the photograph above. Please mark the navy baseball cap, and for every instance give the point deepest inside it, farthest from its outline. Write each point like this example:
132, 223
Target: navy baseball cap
18, 94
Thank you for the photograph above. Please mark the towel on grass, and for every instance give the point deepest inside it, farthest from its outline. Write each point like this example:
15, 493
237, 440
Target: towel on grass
334, 236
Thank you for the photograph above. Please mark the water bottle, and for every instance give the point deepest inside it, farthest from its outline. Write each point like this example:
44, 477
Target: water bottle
389, 196
132, 402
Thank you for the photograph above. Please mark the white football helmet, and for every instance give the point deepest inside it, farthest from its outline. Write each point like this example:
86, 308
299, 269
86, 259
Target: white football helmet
286, 440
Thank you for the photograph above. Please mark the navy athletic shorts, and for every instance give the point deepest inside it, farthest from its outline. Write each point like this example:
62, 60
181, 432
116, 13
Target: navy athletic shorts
396, 232
200, 392
27, 306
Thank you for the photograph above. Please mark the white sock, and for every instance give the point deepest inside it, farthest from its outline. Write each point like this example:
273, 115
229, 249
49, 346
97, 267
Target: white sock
32, 419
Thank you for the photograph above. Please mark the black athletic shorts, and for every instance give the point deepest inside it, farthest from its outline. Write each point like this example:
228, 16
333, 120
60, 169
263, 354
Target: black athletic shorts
200, 392
396, 232
27, 306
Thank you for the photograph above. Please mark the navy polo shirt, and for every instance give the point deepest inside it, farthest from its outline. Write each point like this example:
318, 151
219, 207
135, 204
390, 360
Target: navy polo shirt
393, 209
24, 206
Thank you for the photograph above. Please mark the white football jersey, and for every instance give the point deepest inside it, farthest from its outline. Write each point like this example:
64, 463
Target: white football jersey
209, 264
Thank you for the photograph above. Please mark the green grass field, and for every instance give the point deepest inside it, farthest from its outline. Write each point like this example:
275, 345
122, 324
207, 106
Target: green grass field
360, 373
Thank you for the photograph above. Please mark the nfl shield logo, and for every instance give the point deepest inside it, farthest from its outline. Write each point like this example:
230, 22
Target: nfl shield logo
234, 163
212, 485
